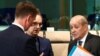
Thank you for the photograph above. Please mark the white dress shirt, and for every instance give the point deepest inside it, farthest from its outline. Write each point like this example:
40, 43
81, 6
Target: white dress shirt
83, 40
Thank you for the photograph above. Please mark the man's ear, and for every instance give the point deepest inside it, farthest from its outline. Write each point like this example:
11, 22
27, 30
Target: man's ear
28, 18
85, 25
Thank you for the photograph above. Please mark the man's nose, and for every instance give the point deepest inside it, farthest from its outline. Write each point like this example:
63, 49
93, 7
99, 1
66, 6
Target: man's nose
73, 30
38, 26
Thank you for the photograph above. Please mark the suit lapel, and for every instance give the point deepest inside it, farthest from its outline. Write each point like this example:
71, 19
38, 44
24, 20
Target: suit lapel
74, 43
87, 42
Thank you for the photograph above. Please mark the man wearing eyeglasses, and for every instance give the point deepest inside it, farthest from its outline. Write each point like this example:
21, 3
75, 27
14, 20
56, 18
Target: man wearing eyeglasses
43, 45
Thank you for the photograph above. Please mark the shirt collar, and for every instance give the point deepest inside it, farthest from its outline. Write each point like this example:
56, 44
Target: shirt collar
17, 24
84, 38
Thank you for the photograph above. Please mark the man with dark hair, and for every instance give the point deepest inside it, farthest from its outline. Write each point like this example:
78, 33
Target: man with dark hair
13, 40
43, 45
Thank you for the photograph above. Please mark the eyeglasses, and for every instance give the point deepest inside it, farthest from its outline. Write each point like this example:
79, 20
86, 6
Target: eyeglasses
37, 24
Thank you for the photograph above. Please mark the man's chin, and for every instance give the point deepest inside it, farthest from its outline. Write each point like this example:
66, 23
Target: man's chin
75, 37
35, 35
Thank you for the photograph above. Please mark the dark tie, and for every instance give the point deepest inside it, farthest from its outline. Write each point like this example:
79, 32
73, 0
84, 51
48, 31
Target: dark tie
37, 44
80, 43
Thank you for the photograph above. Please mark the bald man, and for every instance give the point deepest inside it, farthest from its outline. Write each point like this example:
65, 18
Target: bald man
80, 32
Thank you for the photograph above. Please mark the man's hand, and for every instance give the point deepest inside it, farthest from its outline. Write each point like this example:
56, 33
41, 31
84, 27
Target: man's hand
42, 54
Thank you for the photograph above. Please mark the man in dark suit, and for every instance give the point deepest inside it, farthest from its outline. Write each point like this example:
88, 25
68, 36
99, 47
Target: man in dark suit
80, 32
43, 45
13, 40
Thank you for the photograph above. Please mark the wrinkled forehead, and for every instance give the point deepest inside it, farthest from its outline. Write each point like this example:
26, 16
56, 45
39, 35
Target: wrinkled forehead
75, 20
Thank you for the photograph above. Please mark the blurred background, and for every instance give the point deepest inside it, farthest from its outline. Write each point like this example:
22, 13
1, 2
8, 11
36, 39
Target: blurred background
56, 13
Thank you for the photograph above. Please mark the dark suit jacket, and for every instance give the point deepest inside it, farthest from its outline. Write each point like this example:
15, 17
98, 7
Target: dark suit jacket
92, 44
14, 42
44, 46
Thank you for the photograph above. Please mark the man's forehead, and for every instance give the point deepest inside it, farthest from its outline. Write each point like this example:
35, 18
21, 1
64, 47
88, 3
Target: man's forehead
76, 19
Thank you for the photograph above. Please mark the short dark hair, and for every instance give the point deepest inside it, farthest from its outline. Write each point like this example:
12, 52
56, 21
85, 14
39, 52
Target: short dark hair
25, 8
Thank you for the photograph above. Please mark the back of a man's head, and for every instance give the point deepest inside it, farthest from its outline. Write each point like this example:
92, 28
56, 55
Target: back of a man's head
25, 8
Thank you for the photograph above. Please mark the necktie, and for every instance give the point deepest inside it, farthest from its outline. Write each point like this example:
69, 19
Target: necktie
37, 44
80, 43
